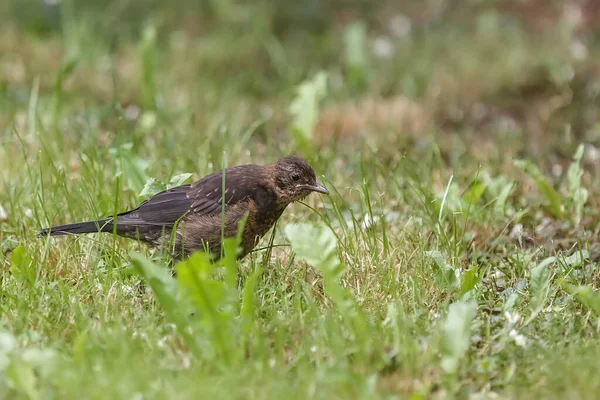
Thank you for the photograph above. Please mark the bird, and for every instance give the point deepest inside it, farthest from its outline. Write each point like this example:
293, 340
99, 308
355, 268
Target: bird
197, 216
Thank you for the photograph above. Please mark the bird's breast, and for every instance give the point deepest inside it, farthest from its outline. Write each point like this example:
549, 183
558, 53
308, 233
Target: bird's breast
259, 222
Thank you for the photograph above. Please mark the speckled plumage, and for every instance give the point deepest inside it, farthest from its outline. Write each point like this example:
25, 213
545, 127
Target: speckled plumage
196, 215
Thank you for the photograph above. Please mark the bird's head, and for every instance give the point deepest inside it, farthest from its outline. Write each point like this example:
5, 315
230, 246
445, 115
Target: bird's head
295, 179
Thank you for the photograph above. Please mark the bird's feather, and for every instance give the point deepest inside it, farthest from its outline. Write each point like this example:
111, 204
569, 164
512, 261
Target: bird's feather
202, 198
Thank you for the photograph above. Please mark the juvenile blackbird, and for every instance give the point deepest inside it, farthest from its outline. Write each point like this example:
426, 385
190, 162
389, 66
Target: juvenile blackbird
194, 213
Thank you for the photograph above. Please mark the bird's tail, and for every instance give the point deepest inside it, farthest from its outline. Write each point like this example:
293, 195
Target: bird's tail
103, 225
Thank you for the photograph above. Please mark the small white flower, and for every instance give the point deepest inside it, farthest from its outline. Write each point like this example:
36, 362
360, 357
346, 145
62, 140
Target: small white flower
557, 169
383, 47
592, 153
148, 120
137, 396
368, 222
519, 339
132, 112
578, 50
186, 362
7, 343
512, 318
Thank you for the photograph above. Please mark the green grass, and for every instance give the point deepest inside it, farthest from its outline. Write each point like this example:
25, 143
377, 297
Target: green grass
457, 255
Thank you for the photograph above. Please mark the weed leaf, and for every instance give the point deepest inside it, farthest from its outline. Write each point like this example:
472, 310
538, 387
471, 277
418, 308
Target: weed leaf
539, 284
586, 295
456, 335
551, 195
305, 109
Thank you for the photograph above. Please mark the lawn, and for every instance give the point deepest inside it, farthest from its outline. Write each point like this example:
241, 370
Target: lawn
456, 257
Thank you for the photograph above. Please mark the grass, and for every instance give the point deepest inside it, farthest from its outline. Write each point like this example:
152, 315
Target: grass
456, 257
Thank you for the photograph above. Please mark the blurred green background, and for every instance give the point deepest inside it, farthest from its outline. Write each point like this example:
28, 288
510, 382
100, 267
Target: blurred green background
476, 64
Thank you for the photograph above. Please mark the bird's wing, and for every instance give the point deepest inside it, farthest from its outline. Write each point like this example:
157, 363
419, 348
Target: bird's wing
201, 198
164, 208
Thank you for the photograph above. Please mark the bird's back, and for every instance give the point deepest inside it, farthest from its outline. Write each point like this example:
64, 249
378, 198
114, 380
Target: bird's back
200, 217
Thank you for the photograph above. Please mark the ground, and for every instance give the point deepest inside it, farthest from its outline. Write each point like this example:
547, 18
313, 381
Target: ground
457, 255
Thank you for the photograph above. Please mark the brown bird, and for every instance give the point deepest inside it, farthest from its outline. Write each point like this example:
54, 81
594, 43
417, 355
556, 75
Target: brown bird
196, 215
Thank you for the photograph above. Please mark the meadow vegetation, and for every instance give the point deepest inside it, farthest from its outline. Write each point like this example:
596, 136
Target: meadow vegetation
457, 256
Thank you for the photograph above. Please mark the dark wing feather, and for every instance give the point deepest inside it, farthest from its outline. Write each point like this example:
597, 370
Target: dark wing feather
241, 183
164, 208
201, 198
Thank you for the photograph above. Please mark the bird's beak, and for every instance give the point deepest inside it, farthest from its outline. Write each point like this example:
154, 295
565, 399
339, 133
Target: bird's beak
317, 187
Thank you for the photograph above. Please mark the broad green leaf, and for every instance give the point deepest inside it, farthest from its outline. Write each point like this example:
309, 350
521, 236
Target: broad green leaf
177, 309
551, 195
502, 198
539, 283
305, 108
216, 303
178, 180
317, 245
44, 361
510, 303
78, 348
576, 258
7, 344
578, 195
469, 280
195, 276
154, 186
456, 337
574, 173
355, 39
249, 304
498, 190
8, 245
132, 167
586, 295
21, 265
445, 274
151, 187
154, 273
231, 249
473, 195
248, 298
22, 375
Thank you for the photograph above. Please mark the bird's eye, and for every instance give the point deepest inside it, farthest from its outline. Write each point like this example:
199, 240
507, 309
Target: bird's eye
296, 176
